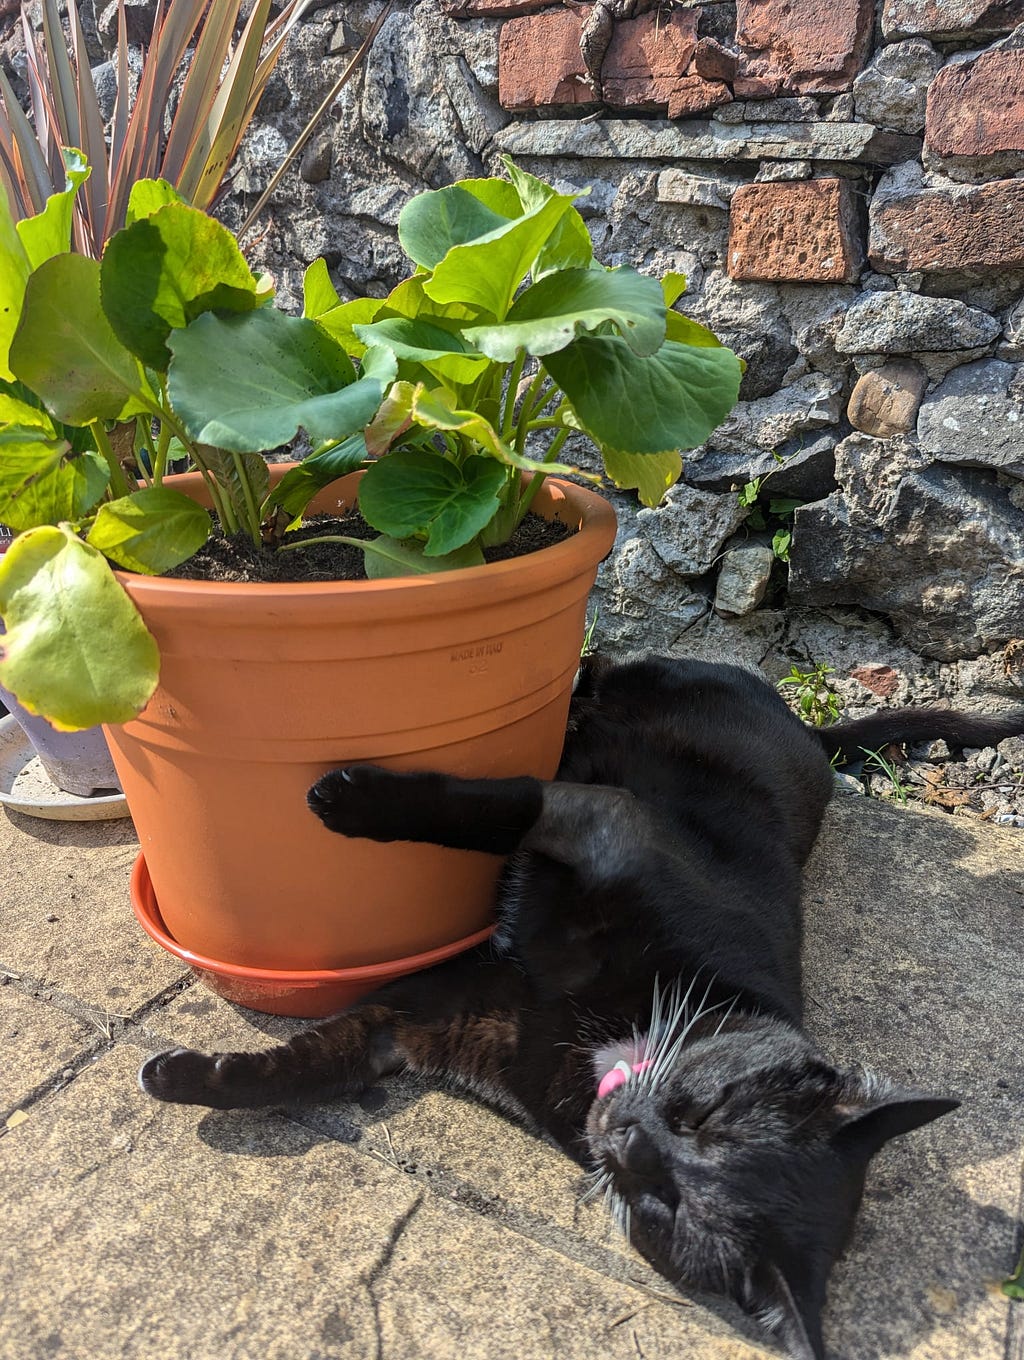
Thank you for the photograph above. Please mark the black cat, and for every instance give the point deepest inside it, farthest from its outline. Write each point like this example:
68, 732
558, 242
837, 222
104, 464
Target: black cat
642, 1004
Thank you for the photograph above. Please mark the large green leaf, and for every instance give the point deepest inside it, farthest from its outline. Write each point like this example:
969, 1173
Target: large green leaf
76, 649
497, 194
49, 233
393, 418
65, 351
41, 480
250, 382
673, 286
569, 245
319, 294
650, 473
339, 321
431, 223
14, 272
299, 485
422, 493
687, 332
487, 271
148, 196
669, 400
151, 530
167, 269
552, 313
444, 352
409, 299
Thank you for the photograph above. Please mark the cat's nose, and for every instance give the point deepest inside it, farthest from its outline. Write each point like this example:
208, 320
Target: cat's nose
634, 1151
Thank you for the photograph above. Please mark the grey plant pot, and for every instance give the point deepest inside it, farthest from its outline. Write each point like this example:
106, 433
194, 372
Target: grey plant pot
77, 762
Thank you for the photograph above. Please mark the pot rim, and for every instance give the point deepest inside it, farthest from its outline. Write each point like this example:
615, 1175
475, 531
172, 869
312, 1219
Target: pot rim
596, 518
147, 913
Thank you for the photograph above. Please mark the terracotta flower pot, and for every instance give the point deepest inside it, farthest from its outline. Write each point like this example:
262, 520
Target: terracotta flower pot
265, 687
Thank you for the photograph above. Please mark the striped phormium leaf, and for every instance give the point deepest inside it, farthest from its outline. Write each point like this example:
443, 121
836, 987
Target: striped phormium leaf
193, 45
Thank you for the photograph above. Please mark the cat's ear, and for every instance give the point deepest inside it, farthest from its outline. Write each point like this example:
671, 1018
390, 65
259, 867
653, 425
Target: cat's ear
794, 1316
885, 1112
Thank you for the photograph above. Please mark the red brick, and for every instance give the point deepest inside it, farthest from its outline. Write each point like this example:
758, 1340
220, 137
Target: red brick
539, 62
976, 108
880, 680
693, 95
936, 230
646, 59
795, 231
712, 61
949, 18
801, 46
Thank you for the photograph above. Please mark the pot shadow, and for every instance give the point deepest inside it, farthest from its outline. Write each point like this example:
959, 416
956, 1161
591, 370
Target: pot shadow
83, 835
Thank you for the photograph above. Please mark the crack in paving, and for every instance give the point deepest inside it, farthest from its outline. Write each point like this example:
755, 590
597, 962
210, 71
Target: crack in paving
111, 1030
372, 1277
622, 1267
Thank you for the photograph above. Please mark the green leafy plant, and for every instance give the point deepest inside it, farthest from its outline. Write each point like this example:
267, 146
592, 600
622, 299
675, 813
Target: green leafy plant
778, 514
455, 394
193, 46
814, 698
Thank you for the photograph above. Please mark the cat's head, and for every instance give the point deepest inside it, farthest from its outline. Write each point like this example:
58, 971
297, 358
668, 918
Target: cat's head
738, 1166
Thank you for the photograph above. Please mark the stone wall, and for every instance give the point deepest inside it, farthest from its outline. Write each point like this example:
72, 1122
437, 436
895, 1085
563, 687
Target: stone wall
843, 185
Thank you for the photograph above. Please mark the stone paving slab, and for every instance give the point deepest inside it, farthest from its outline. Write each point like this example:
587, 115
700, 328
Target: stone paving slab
409, 1121
143, 1230
915, 966
65, 919
420, 1224
37, 1043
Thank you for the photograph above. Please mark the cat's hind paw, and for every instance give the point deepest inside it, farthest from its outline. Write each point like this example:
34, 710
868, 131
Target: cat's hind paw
180, 1075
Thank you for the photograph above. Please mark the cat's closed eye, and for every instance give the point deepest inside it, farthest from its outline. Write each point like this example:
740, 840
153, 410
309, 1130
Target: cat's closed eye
689, 1115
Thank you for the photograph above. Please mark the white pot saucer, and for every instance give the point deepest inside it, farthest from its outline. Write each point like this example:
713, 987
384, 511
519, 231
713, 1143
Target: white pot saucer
25, 786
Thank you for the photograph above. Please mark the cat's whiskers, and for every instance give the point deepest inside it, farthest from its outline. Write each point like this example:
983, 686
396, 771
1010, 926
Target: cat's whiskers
668, 1041
669, 1037
600, 1181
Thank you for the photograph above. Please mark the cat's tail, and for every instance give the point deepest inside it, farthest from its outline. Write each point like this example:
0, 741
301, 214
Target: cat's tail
851, 740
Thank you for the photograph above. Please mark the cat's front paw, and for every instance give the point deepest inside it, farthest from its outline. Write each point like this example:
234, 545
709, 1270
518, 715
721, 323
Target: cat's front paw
354, 801
180, 1075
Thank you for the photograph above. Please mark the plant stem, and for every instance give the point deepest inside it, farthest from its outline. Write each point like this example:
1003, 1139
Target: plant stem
222, 507
527, 409
118, 481
143, 441
537, 480
508, 414
365, 544
160, 461
543, 397
252, 509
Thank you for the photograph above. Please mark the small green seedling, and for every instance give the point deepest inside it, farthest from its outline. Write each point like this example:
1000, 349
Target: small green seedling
815, 699
1013, 1287
589, 647
876, 762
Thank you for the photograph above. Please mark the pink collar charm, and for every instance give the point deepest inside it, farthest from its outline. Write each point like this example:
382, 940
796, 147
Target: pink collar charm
619, 1075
